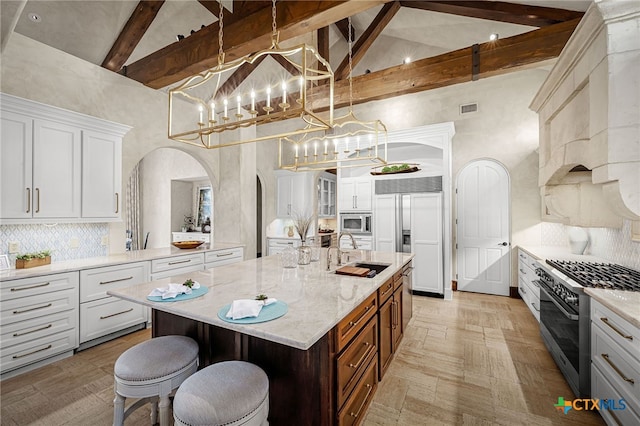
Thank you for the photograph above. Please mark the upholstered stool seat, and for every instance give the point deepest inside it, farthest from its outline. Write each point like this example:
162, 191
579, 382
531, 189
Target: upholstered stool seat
226, 393
151, 371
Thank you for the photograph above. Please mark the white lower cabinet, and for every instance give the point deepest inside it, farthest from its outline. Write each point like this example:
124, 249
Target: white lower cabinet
213, 259
615, 365
362, 242
277, 245
528, 289
176, 265
190, 236
39, 319
102, 315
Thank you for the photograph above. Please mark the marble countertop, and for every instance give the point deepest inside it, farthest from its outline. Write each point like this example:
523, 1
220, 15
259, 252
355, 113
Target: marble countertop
624, 303
543, 253
113, 259
317, 299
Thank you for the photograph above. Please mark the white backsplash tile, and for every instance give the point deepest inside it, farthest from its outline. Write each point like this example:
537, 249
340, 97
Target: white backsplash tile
56, 238
612, 244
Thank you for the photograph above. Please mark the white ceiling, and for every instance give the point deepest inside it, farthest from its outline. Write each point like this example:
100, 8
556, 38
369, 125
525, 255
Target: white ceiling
87, 29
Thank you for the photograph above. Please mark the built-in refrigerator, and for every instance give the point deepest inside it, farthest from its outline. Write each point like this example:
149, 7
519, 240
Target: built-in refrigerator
412, 222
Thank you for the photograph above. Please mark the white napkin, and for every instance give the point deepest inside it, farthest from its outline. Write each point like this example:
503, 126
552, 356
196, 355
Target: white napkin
244, 308
173, 290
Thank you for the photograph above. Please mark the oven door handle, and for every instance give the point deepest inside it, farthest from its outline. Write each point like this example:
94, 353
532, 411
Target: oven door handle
559, 306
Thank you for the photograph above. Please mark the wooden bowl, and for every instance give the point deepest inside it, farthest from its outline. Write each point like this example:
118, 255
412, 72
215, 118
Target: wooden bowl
187, 244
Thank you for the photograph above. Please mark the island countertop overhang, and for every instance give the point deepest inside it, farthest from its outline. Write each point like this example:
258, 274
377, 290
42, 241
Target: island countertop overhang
317, 299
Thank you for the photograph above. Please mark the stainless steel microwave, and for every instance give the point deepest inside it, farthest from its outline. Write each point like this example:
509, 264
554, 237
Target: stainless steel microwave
356, 223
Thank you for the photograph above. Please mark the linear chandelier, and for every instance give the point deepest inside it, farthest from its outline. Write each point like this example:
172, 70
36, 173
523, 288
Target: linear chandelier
204, 113
349, 143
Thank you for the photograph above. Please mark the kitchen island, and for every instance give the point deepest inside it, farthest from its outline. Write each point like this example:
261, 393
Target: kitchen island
301, 352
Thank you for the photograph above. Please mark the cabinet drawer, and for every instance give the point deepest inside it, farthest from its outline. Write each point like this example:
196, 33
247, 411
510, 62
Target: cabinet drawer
603, 390
94, 283
617, 365
397, 280
177, 271
105, 316
37, 328
25, 287
385, 291
527, 259
36, 350
27, 308
222, 257
356, 406
169, 263
617, 328
355, 358
353, 323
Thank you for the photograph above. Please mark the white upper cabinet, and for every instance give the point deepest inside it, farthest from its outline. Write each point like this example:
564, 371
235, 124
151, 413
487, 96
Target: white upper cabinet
293, 194
58, 165
101, 175
16, 153
326, 195
354, 194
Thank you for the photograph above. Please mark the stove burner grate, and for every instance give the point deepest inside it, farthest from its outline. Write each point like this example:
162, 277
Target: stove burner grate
599, 275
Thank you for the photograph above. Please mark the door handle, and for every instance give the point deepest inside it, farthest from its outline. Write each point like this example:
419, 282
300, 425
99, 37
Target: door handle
504, 244
38, 199
28, 200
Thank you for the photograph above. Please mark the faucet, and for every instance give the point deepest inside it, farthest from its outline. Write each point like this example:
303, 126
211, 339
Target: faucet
353, 241
329, 256
337, 247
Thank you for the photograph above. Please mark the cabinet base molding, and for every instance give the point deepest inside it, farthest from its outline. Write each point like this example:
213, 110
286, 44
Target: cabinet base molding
99, 340
513, 293
427, 294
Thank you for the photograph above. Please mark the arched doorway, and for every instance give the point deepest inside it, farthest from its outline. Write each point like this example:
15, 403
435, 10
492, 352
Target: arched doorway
483, 228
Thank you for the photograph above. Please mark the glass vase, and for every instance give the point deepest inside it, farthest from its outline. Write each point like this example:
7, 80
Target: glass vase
289, 257
315, 249
304, 254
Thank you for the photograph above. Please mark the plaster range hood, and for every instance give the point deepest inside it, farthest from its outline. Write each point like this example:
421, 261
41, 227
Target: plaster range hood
589, 117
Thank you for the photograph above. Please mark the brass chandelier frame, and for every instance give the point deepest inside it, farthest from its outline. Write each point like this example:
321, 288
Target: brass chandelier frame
212, 109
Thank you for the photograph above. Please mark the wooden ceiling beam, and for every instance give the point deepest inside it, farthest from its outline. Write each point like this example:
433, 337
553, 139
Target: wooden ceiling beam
238, 76
138, 23
496, 58
199, 51
367, 38
286, 64
343, 27
522, 14
241, 9
323, 45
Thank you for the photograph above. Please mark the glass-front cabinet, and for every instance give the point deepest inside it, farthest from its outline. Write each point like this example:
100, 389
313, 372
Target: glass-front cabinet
326, 195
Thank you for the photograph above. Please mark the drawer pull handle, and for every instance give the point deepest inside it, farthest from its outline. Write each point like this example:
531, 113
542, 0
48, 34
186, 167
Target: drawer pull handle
30, 287
523, 271
625, 378
390, 287
38, 199
33, 309
364, 355
117, 203
522, 255
357, 413
180, 261
28, 200
33, 352
536, 283
115, 281
33, 331
523, 290
535, 307
117, 313
224, 254
606, 321
353, 324
615, 418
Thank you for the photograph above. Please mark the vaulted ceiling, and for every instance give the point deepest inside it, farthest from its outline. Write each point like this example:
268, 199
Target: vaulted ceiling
446, 40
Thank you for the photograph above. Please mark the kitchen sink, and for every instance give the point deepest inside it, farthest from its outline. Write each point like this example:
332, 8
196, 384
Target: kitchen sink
378, 267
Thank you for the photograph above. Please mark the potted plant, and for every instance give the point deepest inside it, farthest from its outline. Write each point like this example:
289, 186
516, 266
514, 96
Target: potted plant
30, 260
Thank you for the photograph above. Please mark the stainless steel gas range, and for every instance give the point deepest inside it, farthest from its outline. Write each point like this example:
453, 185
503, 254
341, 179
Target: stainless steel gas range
564, 312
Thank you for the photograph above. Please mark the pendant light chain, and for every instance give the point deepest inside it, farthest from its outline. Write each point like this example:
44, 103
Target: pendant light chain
350, 69
220, 44
273, 20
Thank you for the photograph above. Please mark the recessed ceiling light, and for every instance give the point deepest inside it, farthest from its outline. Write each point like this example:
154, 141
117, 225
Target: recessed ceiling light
34, 17
406, 60
493, 36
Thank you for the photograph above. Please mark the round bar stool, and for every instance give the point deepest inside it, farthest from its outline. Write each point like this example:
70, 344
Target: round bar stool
229, 393
152, 370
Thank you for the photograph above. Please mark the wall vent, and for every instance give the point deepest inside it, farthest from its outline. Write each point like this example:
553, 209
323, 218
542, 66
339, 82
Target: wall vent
469, 108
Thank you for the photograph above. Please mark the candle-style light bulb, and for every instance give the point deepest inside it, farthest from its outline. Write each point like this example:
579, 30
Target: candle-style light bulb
315, 148
201, 113
226, 103
301, 85
326, 144
305, 149
268, 97
296, 146
212, 106
284, 92
346, 145
358, 143
253, 100
335, 145
239, 99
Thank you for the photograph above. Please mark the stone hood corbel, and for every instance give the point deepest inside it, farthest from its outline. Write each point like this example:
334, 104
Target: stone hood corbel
589, 117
